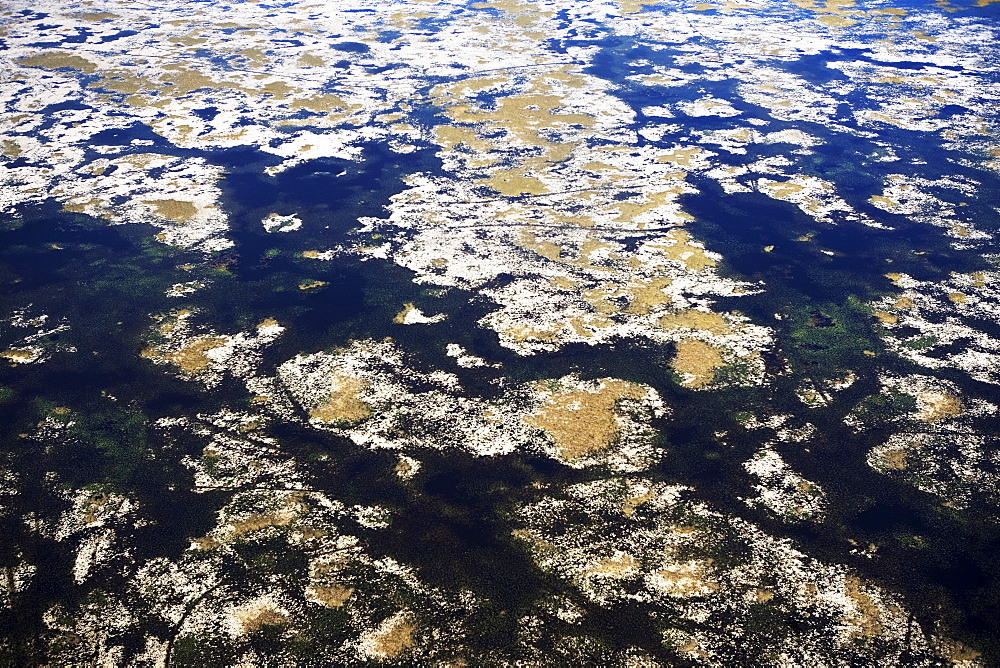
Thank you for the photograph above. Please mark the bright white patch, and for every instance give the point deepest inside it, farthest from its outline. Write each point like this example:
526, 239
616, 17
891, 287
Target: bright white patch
275, 223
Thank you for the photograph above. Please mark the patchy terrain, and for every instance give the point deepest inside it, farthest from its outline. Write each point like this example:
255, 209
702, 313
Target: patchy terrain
499, 333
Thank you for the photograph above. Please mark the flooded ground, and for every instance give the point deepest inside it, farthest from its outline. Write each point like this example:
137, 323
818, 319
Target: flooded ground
500, 333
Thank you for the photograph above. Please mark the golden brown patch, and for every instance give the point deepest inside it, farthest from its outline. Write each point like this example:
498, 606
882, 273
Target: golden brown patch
546, 249
782, 189
763, 595
521, 334
177, 210
97, 16
620, 565
258, 522
895, 79
681, 250
894, 458
635, 6
648, 294
332, 596
183, 81
124, 82
599, 299
886, 202
936, 406
589, 246
685, 579
57, 59
956, 297
17, 356
696, 361
451, 136
311, 285
629, 210
192, 358
515, 182
260, 615
80, 206
400, 318
320, 103
959, 653
267, 322
325, 586
310, 60
867, 617
10, 148
708, 321
836, 21
903, 303
885, 318
523, 118
392, 637
581, 422
205, 543
97, 500
630, 504
343, 405
404, 468
681, 157
279, 90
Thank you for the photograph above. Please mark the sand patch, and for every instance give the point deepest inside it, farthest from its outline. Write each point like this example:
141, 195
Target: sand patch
193, 357
343, 405
696, 361
392, 637
176, 210
58, 59
581, 422
936, 406
707, 321
684, 579
255, 615
680, 249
